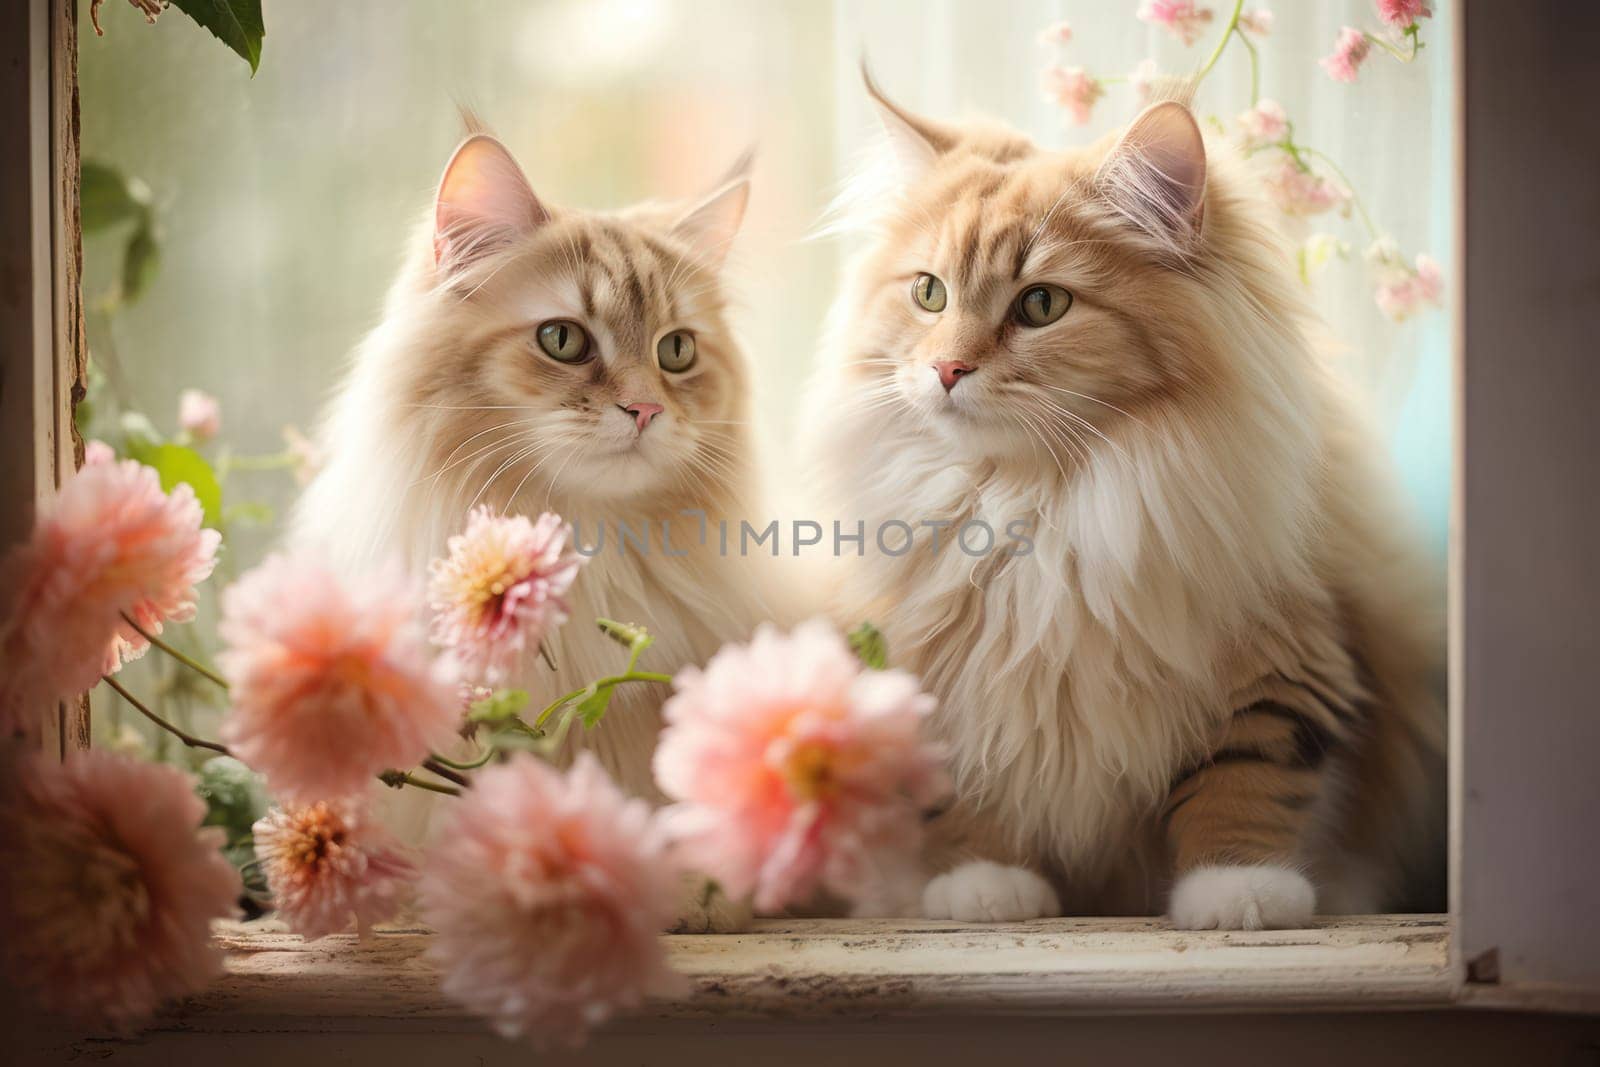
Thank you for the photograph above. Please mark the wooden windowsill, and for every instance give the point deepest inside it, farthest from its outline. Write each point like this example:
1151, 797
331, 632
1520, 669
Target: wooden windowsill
833, 968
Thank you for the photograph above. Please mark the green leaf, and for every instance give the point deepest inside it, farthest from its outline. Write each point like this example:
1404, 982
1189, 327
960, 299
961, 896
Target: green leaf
109, 197
236, 23
592, 707
234, 795
870, 646
179, 465
139, 261
498, 706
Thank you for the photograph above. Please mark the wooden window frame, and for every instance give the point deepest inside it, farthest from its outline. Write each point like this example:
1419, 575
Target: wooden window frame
1521, 759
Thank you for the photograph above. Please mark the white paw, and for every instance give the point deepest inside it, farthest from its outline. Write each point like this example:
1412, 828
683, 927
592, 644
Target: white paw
706, 909
984, 892
1242, 898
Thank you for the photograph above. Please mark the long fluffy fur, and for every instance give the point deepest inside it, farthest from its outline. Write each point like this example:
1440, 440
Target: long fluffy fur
1214, 529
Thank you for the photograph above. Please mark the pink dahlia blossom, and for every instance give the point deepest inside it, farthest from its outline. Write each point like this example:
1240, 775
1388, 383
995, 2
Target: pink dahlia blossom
1264, 124
1143, 78
304, 455
111, 543
1430, 279
98, 452
501, 589
199, 414
108, 886
328, 864
332, 678
1258, 22
1057, 34
795, 768
1402, 291
546, 892
1350, 50
1300, 192
1181, 17
1402, 13
1073, 89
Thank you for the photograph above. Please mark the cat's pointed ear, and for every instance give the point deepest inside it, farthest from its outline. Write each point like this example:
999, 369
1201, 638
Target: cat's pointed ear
1156, 175
713, 222
914, 141
484, 202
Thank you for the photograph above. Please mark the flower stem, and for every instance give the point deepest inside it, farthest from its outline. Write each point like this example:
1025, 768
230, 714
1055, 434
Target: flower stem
1355, 198
432, 763
604, 683
488, 754
1255, 68
397, 779
1404, 57
188, 739
1222, 43
183, 658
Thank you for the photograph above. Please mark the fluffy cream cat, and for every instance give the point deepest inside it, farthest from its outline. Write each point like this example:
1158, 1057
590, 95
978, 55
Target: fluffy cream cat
1203, 682
534, 358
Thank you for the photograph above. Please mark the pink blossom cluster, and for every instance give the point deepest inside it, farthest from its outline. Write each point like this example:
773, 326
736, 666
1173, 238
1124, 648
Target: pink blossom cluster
329, 864
332, 680
1350, 50
1299, 191
1264, 124
1401, 14
1073, 89
199, 414
111, 547
795, 768
546, 892
1182, 17
108, 885
501, 589
1403, 289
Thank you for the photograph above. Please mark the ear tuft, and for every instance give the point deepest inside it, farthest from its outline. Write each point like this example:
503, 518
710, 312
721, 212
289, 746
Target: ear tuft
1156, 175
713, 222
914, 141
484, 202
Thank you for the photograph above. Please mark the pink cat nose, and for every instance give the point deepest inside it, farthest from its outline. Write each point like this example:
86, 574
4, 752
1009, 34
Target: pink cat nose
642, 413
952, 371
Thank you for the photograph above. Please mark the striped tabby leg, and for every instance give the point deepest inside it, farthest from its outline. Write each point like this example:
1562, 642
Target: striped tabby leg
1235, 823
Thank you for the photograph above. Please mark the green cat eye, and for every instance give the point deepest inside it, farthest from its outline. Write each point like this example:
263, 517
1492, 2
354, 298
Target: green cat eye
675, 351
1040, 305
564, 341
929, 293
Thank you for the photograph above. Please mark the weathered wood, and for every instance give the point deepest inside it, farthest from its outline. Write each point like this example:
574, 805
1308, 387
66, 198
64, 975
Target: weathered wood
813, 969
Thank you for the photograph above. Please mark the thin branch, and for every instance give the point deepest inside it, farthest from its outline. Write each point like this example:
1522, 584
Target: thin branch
187, 738
433, 764
397, 779
182, 657
1222, 43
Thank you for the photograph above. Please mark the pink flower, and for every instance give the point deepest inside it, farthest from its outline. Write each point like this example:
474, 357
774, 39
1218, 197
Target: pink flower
1057, 33
1143, 79
306, 458
199, 414
332, 680
1258, 22
501, 589
108, 885
546, 892
111, 543
1179, 16
1264, 124
1403, 13
1401, 290
327, 864
98, 452
1301, 192
1074, 89
1349, 52
796, 768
